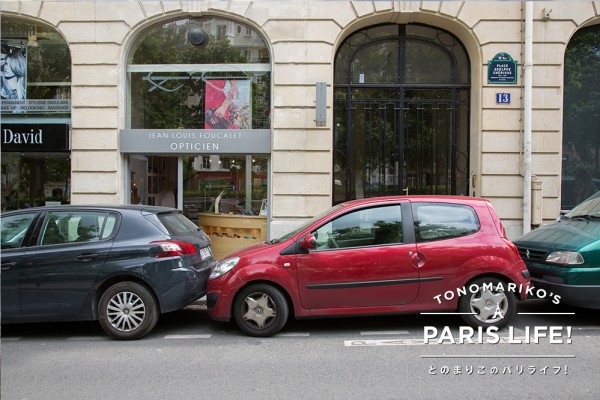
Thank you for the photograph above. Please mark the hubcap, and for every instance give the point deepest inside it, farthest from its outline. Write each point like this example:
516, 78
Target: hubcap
489, 306
125, 311
259, 310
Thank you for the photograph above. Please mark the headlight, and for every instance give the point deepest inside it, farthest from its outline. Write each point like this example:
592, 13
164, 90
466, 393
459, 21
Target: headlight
224, 267
565, 258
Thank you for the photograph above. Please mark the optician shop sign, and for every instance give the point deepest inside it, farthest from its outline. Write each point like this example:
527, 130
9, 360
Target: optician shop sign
196, 141
35, 137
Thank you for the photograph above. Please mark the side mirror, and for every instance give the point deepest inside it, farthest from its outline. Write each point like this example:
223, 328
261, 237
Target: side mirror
309, 242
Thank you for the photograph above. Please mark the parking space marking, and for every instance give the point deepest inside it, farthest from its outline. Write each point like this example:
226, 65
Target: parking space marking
188, 336
546, 313
391, 342
86, 338
382, 333
11, 339
294, 334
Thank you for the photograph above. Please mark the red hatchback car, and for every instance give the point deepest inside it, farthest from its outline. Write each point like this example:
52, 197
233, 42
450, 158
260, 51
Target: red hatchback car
386, 255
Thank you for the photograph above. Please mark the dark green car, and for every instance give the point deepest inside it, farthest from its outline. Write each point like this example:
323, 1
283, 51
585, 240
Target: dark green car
563, 258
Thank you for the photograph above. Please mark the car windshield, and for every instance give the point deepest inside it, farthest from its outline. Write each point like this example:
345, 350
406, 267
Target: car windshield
306, 224
589, 207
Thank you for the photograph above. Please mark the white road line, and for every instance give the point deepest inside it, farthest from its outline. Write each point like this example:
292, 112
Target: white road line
419, 342
11, 339
391, 342
448, 313
546, 313
293, 334
188, 336
500, 356
381, 333
88, 338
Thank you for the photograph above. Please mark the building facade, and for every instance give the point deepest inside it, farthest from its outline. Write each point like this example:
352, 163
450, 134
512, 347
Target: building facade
282, 109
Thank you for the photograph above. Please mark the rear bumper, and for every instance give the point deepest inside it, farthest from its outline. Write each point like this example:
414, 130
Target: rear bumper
181, 286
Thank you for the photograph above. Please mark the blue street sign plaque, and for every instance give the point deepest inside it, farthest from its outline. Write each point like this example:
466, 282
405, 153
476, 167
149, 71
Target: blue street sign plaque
502, 70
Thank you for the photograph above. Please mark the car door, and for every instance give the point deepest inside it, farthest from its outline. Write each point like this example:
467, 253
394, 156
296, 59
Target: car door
60, 271
16, 230
363, 258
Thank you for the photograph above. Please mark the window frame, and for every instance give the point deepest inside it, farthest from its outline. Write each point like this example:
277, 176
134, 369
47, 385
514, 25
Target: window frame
417, 222
400, 219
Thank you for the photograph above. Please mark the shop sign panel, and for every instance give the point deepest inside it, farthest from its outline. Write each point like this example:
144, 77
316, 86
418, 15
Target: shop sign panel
49, 106
195, 141
35, 137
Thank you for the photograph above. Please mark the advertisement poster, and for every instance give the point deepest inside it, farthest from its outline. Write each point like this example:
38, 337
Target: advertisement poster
227, 104
14, 70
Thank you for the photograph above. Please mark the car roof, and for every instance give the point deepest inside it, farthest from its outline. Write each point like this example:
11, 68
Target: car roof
107, 207
416, 198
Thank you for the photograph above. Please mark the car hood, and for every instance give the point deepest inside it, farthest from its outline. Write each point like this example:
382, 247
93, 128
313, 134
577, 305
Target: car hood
566, 234
248, 251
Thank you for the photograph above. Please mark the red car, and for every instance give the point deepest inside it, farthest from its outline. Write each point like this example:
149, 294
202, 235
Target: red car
386, 255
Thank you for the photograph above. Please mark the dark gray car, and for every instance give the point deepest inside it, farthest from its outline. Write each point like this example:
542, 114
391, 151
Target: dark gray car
123, 266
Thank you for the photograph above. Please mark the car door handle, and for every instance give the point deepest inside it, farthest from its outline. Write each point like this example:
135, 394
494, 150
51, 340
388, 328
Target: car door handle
417, 259
87, 257
8, 265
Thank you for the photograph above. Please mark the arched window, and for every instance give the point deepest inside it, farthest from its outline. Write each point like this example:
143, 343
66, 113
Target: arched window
401, 107
197, 81
36, 114
581, 118
174, 67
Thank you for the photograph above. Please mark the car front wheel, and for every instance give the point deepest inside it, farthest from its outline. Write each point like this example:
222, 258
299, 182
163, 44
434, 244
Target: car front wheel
260, 310
127, 311
487, 303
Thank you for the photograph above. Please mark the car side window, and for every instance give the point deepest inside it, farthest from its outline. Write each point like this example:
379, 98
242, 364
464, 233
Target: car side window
365, 227
14, 229
73, 227
439, 221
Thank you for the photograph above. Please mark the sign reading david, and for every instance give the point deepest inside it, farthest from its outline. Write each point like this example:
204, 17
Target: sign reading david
35, 137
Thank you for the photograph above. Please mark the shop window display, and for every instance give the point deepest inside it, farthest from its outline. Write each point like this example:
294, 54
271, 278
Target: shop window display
205, 84
36, 90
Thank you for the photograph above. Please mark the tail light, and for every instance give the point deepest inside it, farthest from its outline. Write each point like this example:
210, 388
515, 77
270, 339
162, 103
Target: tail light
174, 248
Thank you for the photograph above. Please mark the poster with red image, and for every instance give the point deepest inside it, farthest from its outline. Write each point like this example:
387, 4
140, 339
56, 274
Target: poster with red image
227, 104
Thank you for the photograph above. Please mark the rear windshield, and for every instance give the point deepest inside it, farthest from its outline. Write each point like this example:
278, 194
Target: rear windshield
177, 223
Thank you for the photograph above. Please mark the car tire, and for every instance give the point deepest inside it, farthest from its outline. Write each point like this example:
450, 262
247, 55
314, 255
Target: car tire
127, 311
260, 310
484, 307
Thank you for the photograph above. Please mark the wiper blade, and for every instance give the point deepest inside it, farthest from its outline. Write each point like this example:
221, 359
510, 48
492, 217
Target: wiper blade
585, 217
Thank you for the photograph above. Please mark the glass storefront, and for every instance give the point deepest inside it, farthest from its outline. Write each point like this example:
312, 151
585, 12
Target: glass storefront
199, 125
190, 80
36, 112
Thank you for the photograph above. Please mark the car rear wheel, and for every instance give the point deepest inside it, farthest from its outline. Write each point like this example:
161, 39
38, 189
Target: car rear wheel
127, 311
487, 303
260, 310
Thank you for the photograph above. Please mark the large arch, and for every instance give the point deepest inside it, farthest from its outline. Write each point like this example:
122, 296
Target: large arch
401, 112
581, 118
36, 113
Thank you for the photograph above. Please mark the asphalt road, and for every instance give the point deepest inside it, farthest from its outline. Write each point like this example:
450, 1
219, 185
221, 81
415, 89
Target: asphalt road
188, 356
